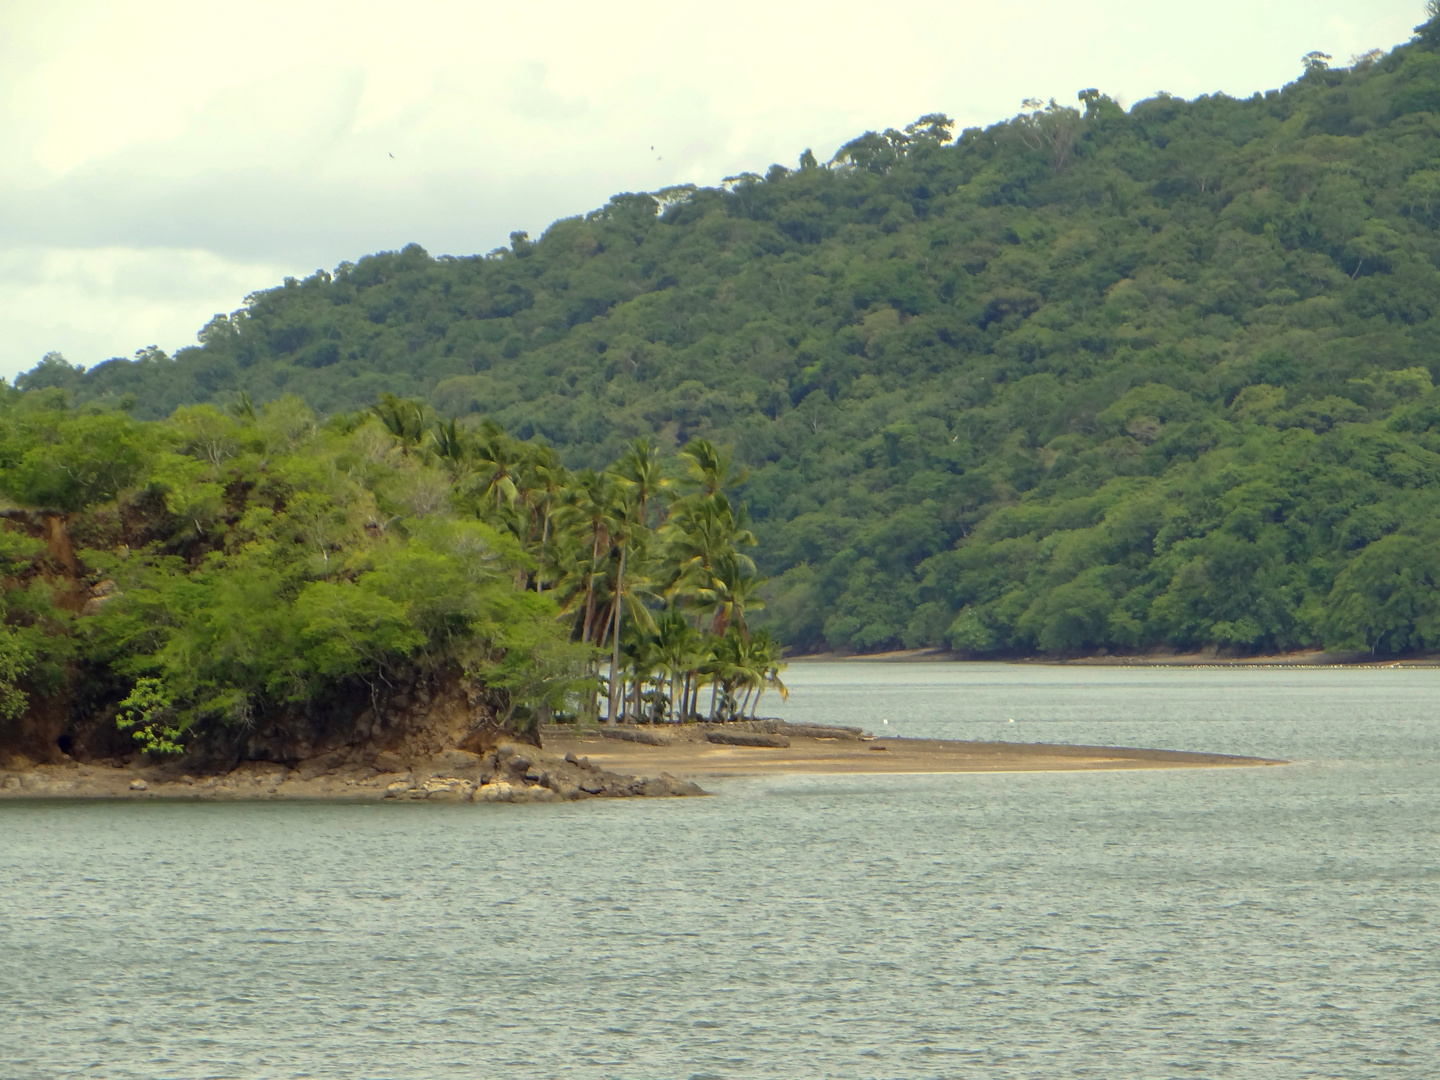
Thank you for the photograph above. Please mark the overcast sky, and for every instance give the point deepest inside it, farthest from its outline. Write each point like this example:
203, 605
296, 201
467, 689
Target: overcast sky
161, 160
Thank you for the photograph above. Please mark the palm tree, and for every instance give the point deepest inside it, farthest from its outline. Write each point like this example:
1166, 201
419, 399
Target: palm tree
548, 479
709, 467
451, 445
701, 530
628, 536
498, 459
766, 654
730, 590
639, 468
639, 480
403, 418
678, 645
590, 514
642, 648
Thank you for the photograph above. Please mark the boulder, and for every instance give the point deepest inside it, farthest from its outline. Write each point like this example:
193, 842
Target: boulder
139, 785
447, 789
621, 787
513, 760
676, 786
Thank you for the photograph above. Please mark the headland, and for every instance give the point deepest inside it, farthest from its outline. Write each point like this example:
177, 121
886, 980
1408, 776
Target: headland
605, 761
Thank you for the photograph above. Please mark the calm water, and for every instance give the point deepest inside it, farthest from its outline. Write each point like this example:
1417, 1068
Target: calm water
1246, 923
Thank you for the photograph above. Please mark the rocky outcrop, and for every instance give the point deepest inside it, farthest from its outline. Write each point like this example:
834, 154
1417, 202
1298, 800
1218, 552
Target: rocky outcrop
433, 739
510, 773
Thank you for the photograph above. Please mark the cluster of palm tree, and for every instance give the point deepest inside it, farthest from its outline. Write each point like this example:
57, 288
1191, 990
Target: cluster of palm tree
649, 567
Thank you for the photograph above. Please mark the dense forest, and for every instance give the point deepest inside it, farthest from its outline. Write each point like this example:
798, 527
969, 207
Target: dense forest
1088, 378
189, 576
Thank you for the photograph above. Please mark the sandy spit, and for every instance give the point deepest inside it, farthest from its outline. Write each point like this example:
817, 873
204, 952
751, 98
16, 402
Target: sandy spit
682, 755
698, 760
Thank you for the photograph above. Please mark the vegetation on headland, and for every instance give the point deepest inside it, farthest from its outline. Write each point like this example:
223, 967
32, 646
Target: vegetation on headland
1086, 378
205, 570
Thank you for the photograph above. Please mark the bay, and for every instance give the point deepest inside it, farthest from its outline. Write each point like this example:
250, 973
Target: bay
1279, 922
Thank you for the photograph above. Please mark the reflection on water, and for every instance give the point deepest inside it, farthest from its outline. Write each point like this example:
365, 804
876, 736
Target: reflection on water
1270, 922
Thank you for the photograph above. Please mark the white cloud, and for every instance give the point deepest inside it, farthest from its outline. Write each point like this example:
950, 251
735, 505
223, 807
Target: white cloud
83, 302
256, 139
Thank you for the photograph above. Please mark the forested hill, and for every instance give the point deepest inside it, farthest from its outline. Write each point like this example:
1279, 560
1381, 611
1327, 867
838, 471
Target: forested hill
1086, 378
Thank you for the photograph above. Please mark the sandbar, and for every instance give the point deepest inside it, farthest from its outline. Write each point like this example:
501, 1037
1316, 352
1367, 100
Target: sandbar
687, 754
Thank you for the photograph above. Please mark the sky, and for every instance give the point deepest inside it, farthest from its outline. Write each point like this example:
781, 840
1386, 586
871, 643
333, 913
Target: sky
161, 160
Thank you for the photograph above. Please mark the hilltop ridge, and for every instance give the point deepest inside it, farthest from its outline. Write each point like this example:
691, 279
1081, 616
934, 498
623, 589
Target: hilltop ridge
1086, 378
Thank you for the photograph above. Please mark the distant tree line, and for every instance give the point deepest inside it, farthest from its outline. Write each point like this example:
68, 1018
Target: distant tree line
1087, 378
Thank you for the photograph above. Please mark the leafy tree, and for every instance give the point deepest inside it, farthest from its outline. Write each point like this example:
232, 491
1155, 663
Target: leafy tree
1087, 378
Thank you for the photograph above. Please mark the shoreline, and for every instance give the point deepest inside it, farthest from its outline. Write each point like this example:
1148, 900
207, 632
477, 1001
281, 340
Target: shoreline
605, 762
512, 773
691, 754
1313, 658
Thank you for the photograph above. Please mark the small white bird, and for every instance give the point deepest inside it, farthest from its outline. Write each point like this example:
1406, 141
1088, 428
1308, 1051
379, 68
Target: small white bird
1011, 720
884, 721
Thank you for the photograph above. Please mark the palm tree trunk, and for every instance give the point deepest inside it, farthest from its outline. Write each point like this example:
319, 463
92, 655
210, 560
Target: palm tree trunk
615, 646
590, 590
714, 689
544, 540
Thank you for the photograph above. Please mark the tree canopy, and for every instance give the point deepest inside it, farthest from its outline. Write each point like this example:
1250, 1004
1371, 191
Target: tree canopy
1085, 378
190, 575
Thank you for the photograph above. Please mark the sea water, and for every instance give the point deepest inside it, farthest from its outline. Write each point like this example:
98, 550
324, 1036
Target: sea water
1270, 922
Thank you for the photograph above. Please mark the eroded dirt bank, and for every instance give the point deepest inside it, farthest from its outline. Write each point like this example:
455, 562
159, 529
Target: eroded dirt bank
513, 772
429, 740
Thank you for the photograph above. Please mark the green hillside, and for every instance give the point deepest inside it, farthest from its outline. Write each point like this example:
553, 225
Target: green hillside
1086, 378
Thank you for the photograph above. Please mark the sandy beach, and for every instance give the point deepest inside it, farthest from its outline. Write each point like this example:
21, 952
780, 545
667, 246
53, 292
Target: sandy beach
687, 753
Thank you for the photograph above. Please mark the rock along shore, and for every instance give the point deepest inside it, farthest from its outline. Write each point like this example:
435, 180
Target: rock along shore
511, 773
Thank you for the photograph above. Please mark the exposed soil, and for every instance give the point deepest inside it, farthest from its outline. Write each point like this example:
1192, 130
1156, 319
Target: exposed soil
512, 772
